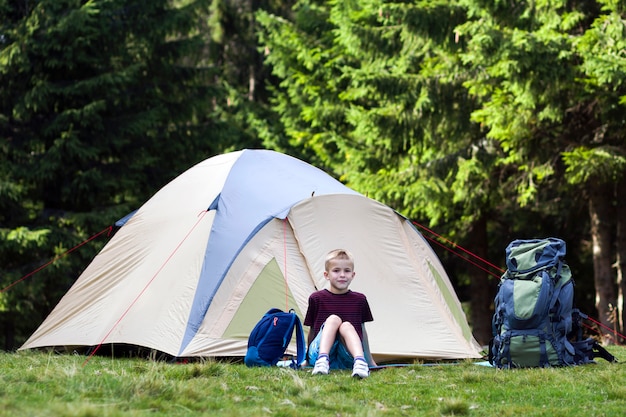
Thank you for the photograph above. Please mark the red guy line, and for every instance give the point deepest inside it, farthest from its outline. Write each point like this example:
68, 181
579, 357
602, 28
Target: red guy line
463, 257
460, 247
610, 330
200, 217
604, 326
107, 230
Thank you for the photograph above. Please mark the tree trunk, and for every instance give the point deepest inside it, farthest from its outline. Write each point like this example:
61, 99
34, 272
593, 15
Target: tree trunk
621, 255
9, 331
481, 286
600, 197
251, 82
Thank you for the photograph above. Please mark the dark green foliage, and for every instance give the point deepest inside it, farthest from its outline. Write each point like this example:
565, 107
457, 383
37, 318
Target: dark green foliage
461, 111
464, 115
101, 104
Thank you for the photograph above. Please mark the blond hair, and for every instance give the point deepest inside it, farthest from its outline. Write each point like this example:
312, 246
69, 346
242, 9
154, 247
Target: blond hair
338, 254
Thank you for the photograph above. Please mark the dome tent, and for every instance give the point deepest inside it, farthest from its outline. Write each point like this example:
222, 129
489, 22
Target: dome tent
193, 269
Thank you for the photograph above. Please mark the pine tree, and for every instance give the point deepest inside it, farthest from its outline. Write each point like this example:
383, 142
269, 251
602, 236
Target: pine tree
101, 103
368, 90
550, 80
458, 112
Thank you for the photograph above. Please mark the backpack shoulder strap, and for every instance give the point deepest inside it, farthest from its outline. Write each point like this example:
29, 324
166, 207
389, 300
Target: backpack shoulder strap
300, 342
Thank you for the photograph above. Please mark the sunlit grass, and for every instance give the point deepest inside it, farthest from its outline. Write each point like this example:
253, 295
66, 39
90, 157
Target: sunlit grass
42, 384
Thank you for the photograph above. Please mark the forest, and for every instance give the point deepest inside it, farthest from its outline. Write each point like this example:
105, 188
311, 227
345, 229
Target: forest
482, 121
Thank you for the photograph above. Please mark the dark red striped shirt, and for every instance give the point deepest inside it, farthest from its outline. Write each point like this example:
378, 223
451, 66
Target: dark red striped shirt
351, 306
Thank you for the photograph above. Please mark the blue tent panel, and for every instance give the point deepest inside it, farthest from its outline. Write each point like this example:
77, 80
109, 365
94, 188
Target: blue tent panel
260, 186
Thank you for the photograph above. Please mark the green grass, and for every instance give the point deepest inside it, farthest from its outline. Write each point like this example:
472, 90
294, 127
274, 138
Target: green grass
41, 384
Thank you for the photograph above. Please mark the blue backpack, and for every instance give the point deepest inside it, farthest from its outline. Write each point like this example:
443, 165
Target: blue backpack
534, 307
271, 336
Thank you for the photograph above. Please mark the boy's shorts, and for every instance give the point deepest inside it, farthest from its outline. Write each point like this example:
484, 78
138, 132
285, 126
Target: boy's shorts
338, 356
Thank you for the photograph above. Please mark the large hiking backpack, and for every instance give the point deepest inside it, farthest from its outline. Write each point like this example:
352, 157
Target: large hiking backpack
533, 307
271, 336
535, 324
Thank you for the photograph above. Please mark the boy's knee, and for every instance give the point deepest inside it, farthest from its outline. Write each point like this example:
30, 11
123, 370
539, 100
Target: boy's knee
334, 319
346, 326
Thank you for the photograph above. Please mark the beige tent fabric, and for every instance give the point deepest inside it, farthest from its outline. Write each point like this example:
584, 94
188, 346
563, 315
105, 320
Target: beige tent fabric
416, 311
237, 300
414, 315
134, 292
140, 293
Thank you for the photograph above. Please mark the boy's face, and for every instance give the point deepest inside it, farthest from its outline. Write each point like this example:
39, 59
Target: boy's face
340, 274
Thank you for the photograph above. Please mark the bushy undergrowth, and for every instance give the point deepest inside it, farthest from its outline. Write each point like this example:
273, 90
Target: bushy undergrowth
43, 384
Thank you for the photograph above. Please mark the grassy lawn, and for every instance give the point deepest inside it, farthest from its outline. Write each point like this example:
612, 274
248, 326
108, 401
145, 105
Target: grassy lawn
42, 384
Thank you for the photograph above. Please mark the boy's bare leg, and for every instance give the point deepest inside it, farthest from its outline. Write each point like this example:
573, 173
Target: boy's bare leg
329, 333
327, 338
351, 339
353, 343
334, 327
346, 330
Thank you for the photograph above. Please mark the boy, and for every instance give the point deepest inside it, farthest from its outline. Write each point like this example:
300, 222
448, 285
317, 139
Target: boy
336, 317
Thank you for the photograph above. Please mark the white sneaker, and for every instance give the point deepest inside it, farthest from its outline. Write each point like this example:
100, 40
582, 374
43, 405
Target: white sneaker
322, 366
360, 369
